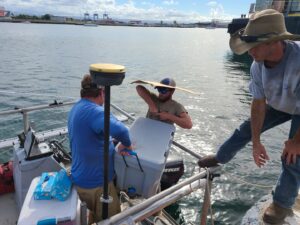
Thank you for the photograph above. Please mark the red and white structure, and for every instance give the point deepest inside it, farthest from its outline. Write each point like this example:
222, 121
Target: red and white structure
2, 11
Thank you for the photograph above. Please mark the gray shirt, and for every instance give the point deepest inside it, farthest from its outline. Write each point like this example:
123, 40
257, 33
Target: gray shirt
280, 85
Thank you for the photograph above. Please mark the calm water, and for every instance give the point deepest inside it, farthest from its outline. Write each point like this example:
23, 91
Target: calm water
41, 63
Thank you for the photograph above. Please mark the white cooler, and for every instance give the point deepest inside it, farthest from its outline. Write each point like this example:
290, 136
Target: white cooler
152, 140
47, 211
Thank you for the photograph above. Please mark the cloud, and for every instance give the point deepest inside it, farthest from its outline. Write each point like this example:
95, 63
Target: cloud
212, 4
216, 10
107, 2
170, 2
134, 10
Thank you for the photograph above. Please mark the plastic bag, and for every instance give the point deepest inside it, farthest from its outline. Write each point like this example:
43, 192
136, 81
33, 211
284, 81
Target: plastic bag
53, 185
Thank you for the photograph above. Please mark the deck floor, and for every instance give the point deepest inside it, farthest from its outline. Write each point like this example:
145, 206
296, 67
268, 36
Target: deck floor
8, 210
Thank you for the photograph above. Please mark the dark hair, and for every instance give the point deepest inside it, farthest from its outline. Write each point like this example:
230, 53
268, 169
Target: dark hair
88, 87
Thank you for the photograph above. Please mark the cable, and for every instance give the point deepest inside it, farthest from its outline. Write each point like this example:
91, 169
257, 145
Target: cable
248, 183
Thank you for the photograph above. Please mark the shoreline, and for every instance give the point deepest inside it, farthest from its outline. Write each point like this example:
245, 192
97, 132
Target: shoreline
108, 23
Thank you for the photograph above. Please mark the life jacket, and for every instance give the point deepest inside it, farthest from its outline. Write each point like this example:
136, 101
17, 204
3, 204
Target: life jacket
6, 178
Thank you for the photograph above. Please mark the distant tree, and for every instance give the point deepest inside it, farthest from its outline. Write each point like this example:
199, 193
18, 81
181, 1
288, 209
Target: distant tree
24, 16
46, 17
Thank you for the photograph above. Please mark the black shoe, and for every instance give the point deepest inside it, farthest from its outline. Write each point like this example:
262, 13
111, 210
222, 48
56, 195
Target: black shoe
208, 161
276, 214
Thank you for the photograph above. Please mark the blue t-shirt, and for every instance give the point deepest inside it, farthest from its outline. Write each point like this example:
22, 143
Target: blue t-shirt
280, 85
86, 134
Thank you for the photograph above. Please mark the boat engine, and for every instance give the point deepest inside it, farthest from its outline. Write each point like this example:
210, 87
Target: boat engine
173, 171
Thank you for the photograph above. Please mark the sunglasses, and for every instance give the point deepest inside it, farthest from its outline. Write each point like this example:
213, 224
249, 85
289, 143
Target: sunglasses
92, 86
163, 90
253, 38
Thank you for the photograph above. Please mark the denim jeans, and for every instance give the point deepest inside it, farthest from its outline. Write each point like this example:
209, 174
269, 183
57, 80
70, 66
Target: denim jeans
288, 183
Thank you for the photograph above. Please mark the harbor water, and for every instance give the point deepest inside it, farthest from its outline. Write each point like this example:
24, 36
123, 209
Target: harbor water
40, 63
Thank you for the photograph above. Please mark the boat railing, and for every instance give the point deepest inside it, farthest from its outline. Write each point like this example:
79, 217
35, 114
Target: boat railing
41, 136
159, 201
25, 111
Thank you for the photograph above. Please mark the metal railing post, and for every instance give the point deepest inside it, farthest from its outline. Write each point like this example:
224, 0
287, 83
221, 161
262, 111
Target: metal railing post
206, 202
25, 121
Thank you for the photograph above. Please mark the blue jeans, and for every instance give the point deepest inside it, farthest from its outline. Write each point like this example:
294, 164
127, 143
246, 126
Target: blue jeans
288, 183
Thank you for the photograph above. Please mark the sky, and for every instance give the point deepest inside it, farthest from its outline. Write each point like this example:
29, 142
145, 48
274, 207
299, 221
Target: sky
166, 10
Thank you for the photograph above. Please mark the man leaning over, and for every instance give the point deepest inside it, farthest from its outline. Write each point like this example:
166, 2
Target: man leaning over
275, 87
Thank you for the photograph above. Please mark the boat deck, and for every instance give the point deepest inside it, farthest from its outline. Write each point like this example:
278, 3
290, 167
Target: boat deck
8, 209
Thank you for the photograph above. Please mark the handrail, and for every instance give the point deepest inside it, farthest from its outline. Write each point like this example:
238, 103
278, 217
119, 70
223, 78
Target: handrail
167, 200
34, 108
25, 111
137, 208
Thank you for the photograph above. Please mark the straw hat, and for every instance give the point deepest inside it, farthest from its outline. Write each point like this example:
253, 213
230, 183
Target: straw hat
167, 82
264, 26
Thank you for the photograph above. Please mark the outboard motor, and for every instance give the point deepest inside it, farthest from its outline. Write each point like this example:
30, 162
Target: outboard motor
173, 171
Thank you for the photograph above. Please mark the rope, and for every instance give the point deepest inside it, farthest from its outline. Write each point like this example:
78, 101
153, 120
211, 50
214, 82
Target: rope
206, 205
248, 183
234, 177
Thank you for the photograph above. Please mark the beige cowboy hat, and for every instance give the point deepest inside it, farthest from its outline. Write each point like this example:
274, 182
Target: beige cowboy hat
263, 27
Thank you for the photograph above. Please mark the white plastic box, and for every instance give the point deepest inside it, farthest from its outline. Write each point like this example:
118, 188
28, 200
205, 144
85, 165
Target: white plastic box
34, 211
26, 170
152, 140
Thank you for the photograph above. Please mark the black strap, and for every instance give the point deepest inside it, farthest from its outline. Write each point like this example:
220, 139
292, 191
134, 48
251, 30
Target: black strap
138, 160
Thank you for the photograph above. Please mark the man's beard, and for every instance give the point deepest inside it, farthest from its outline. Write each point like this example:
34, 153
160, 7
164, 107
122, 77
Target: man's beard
165, 99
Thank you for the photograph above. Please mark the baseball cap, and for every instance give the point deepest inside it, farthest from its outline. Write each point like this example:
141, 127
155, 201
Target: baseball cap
166, 81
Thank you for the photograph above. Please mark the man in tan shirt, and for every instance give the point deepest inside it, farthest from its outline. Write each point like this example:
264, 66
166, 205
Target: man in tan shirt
162, 107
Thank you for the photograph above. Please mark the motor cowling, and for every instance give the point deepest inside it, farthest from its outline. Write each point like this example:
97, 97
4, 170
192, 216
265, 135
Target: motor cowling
173, 171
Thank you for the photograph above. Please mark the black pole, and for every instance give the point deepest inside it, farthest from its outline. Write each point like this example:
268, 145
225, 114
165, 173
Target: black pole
106, 152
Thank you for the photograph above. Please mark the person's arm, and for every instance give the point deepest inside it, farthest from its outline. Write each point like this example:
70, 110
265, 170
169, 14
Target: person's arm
258, 111
120, 132
183, 120
292, 148
144, 93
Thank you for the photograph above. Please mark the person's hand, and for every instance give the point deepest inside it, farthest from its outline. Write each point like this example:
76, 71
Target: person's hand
259, 155
122, 147
291, 151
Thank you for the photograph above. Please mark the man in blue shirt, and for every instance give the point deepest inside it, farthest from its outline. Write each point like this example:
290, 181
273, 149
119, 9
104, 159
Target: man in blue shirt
275, 87
86, 134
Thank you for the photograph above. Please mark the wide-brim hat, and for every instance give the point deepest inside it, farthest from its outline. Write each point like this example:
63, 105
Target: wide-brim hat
171, 85
263, 27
